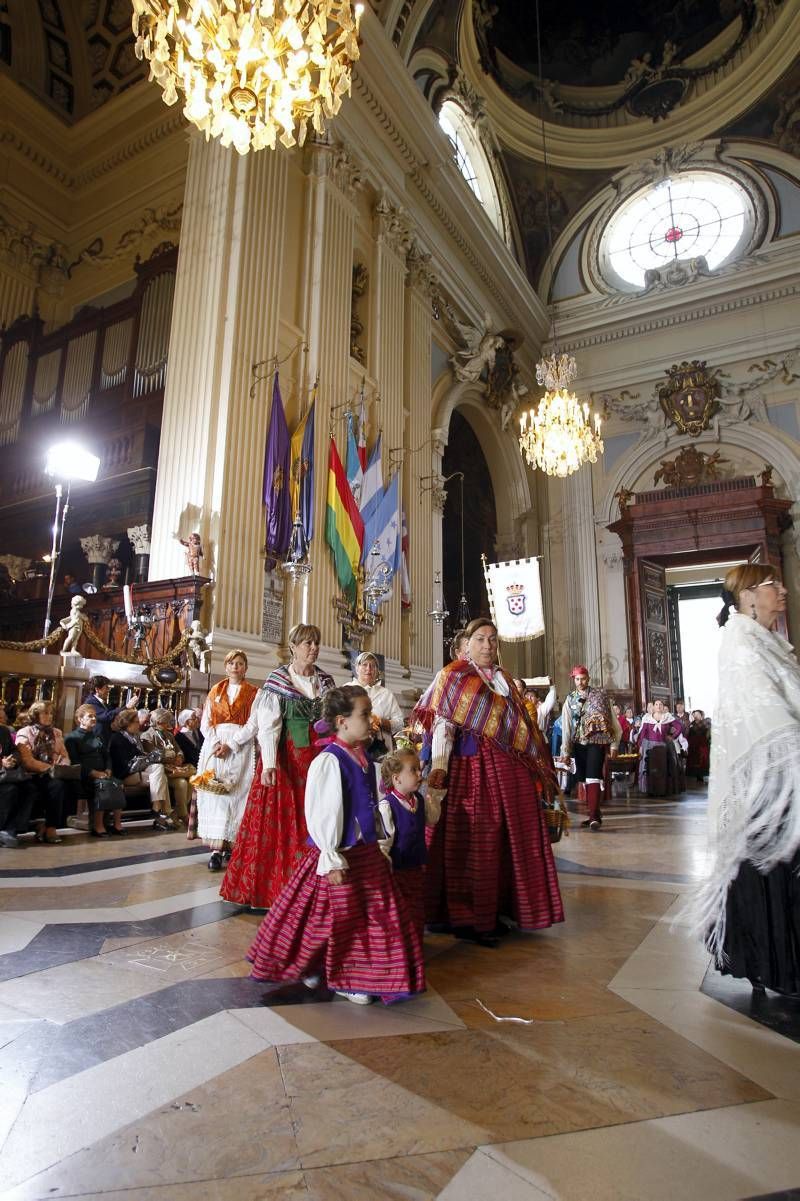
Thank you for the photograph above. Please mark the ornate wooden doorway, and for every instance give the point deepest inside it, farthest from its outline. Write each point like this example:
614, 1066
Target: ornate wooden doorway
673, 527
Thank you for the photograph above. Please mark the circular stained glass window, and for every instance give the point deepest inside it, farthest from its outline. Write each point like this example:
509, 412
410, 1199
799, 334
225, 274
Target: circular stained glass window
699, 214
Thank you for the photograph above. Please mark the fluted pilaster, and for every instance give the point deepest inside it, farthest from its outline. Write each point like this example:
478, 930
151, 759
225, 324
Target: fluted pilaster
580, 555
419, 509
225, 317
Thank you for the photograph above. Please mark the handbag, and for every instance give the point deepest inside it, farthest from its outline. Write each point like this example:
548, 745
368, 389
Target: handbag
108, 794
67, 771
13, 775
142, 762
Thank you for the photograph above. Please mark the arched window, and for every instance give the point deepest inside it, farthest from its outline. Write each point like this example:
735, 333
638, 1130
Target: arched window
699, 214
471, 160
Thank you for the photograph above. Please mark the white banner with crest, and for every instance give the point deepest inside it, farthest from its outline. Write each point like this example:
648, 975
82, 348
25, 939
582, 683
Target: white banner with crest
515, 596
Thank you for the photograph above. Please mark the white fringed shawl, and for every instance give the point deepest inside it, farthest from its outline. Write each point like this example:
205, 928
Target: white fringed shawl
754, 783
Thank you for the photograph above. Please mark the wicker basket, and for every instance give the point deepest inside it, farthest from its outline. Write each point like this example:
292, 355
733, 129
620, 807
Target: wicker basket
207, 783
557, 820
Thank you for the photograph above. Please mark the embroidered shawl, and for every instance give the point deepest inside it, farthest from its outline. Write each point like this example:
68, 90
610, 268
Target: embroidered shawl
281, 683
753, 787
222, 712
460, 695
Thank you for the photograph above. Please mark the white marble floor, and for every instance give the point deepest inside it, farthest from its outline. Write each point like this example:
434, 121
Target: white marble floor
137, 1060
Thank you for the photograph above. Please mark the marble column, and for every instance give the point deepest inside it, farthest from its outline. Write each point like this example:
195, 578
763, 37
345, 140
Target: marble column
98, 550
332, 180
386, 364
139, 538
225, 318
423, 532
580, 561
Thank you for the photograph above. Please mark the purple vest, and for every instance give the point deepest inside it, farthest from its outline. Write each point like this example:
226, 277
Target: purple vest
408, 849
359, 797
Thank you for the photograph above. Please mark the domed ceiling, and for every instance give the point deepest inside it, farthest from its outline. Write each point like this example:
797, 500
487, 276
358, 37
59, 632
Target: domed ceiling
594, 42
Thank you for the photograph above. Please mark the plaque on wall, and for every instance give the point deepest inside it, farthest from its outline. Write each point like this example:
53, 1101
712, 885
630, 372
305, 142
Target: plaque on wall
272, 612
690, 396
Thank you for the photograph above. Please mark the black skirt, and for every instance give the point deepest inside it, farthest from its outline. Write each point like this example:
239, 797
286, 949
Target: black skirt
762, 932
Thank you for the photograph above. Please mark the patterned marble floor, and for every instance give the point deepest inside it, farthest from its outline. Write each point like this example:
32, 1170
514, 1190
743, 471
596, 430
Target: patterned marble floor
137, 1060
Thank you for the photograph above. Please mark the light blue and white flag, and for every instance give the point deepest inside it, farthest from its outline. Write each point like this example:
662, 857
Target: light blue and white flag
384, 536
372, 489
353, 467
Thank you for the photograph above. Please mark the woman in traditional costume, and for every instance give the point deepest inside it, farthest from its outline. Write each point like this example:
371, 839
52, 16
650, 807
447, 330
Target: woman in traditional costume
659, 733
748, 908
697, 758
387, 717
226, 761
273, 833
342, 920
490, 853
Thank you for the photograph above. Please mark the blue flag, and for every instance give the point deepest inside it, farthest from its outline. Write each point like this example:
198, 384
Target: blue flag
384, 534
275, 487
303, 473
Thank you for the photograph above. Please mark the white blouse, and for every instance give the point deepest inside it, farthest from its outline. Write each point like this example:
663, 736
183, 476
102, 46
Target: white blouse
267, 709
324, 808
240, 736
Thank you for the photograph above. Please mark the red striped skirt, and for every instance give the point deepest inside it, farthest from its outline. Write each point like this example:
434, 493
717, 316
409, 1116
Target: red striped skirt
358, 935
490, 852
272, 837
410, 882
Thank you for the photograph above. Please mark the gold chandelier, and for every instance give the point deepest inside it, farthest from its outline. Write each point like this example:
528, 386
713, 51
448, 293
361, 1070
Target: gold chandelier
251, 70
561, 434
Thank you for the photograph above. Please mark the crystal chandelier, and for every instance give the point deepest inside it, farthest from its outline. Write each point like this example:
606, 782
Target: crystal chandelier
251, 70
561, 434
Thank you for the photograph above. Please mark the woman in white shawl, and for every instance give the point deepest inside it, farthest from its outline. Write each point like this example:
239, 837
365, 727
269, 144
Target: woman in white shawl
386, 712
748, 909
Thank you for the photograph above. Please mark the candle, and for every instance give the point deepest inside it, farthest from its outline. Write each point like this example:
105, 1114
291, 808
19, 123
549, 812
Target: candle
126, 596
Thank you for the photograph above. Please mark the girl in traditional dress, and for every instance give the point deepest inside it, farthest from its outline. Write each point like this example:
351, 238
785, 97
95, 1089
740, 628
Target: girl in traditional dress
273, 832
226, 762
342, 918
409, 813
748, 909
490, 853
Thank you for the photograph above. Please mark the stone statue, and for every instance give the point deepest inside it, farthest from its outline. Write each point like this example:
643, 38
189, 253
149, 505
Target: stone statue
113, 573
690, 468
478, 353
74, 624
198, 646
194, 553
623, 499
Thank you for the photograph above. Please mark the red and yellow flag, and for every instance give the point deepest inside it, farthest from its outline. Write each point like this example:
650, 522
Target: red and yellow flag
344, 529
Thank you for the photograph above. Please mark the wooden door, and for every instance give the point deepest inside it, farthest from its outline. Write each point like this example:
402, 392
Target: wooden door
654, 619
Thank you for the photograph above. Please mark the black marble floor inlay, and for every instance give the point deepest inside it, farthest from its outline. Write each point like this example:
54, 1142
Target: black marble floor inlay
69, 942
791, 1194
569, 867
99, 865
770, 1009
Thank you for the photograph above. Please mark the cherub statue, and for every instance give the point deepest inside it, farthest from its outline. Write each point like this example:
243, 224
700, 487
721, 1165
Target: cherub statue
197, 648
74, 624
113, 572
194, 553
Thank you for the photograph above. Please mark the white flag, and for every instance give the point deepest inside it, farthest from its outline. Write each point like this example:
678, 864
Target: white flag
515, 596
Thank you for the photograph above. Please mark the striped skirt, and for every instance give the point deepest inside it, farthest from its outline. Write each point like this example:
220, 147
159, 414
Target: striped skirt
490, 852
410, 882
359, 935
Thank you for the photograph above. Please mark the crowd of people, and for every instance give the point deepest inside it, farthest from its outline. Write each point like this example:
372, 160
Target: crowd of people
355, 830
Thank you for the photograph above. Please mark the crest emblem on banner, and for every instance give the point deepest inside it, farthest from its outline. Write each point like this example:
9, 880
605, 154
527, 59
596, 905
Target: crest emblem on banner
515, 599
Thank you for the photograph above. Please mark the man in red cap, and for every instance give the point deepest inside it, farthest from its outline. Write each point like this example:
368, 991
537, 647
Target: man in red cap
589, 730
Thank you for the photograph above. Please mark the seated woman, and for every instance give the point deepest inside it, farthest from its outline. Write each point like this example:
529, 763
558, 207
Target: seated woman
188, 738
16, 796
131, 763
87, 749
159, 736
41, 748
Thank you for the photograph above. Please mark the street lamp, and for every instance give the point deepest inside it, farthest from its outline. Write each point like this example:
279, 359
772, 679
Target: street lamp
66, 461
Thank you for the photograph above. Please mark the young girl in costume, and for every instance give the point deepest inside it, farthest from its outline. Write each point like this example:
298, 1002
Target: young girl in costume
341, 917
409, 813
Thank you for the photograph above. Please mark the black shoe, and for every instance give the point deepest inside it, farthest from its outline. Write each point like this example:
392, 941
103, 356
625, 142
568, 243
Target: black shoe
99, 833
162, 823
470, 934
757, 985
117, 833
226, 856
215, 862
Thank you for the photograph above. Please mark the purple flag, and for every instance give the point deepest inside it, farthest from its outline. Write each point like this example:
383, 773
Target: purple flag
275, 494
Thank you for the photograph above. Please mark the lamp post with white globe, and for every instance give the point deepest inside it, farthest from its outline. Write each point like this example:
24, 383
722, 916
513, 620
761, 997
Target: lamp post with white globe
66, 461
